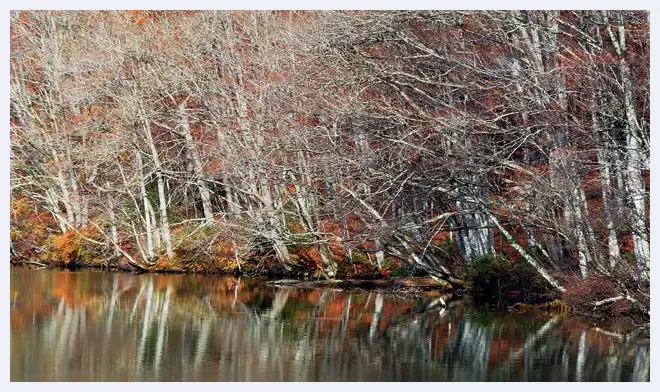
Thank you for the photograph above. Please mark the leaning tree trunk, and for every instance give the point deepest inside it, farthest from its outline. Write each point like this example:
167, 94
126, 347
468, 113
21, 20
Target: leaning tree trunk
526, 256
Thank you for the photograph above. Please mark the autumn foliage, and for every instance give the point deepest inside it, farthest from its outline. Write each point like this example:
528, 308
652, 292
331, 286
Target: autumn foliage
335, 144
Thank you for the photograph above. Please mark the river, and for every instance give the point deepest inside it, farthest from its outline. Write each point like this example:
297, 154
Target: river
111, 326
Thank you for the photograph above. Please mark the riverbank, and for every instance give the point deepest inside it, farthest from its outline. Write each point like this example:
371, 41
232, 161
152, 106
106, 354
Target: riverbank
621, 314
280, 277
501, 277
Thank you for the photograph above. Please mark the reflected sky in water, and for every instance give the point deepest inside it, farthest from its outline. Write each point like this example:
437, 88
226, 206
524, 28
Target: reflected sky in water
103, 326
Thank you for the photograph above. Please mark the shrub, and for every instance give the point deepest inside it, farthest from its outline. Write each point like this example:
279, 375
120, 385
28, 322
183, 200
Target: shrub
204, 249
484, 273
360, 258
398, 267
70, 249
494, 275
29, 229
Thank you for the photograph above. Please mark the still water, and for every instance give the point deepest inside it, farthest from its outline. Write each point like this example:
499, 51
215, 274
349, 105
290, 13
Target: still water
103, 326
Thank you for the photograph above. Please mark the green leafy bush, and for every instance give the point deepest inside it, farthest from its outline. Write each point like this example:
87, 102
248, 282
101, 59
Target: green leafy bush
496, 276
485, 273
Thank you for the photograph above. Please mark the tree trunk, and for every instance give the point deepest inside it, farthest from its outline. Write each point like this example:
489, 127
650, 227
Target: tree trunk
198, 170
635, 155
66, 198
75, 199
568, 186
113, 223
606, 192
232, 206
633, 177
56, 211
526, 256
162, 201
272, 225
474, 236
147, 206
577, 220
307, 210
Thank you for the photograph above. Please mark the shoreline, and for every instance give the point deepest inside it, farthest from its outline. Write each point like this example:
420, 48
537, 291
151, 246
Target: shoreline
413, 285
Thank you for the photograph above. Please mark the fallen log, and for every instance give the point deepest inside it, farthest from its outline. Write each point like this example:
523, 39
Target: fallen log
421, 283
28, 262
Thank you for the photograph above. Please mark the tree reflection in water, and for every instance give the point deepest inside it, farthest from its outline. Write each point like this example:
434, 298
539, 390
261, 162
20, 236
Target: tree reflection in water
100, 326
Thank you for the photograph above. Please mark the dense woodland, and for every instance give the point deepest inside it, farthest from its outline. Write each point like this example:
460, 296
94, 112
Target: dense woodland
334, 144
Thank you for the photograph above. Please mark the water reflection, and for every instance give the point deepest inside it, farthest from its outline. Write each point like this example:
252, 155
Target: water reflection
100, 326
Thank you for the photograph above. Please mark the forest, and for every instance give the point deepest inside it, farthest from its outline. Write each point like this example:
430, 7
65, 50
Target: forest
504, 152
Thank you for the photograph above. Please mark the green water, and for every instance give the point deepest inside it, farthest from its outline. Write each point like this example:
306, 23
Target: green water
104, 326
